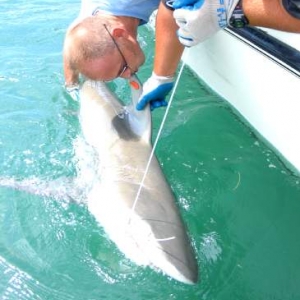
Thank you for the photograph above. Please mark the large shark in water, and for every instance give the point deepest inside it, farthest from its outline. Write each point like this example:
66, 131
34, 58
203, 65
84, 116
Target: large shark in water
143, 221
137, 210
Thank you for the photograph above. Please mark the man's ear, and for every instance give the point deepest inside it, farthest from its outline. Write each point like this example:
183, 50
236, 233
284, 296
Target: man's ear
119, 32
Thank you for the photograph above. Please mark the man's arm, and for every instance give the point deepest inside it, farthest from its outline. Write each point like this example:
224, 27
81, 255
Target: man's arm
198, 20
271, 14
71, 76
196, 26
168, 49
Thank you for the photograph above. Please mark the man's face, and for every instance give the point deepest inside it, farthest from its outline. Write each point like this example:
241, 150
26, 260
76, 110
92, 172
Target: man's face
114, 64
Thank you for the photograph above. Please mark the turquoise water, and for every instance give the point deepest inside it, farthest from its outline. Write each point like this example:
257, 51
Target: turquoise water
240, 203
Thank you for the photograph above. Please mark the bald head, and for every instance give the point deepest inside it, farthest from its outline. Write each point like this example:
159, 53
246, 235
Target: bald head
87, 40
100, 47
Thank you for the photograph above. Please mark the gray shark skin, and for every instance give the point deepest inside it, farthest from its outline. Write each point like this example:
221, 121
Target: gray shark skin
148, 230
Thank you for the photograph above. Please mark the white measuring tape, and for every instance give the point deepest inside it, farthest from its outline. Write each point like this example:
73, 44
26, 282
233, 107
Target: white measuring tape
156, 140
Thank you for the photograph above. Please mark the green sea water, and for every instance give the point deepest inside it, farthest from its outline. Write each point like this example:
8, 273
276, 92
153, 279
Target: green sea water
240, 203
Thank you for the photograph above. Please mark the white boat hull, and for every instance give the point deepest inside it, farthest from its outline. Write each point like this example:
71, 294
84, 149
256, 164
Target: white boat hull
261, 87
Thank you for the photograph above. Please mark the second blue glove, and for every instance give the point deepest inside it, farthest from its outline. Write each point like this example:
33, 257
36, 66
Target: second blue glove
155, 90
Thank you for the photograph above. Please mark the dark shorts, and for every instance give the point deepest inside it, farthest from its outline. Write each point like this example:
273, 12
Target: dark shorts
292, 7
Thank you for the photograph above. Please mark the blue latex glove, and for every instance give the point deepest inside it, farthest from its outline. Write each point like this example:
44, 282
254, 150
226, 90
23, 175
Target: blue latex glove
73, 91
155, 90
200, 19
184, 3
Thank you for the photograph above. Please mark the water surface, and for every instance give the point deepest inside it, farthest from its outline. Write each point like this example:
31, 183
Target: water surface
239, 201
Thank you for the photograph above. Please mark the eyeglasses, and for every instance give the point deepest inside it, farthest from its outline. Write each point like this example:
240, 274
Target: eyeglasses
125, 66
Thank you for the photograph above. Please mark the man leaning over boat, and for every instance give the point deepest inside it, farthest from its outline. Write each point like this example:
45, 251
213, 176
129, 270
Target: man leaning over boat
102, 43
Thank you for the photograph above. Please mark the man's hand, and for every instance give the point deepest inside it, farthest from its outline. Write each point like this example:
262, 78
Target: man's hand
73, 91
200, 19
155, 90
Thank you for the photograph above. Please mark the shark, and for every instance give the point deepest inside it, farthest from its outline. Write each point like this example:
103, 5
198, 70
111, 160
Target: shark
138, 211
130, 197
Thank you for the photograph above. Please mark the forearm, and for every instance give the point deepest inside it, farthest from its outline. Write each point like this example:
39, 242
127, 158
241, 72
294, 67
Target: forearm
271, 14
168, 49
71, 76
